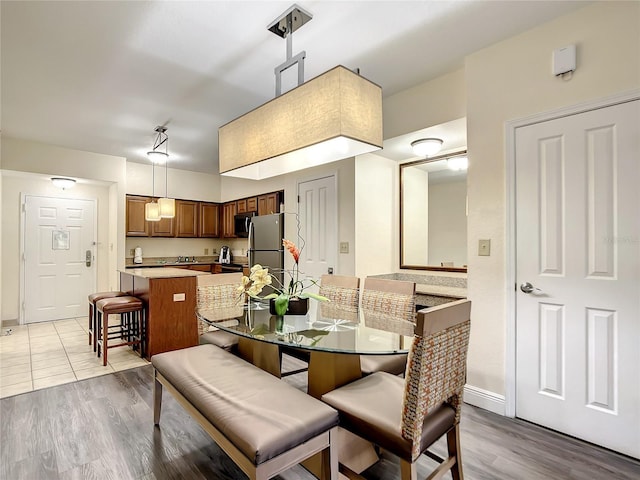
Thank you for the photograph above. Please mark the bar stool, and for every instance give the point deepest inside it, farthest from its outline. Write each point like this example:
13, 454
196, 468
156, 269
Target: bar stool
93, 298
131, 327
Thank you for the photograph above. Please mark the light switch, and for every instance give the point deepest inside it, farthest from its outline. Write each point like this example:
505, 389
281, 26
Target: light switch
178, 297
344, 247
484, 248
206, 251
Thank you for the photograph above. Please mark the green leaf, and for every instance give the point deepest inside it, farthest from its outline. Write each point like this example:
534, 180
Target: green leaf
270, 296
315, 296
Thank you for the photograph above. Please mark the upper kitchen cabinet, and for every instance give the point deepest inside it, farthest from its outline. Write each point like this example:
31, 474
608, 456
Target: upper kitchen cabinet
247, 205
269, 203
229, 211
137, 226
164, 228
186, 218
209, 220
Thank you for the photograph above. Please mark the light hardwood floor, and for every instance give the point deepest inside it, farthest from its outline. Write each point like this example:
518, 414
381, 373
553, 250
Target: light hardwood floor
102, 428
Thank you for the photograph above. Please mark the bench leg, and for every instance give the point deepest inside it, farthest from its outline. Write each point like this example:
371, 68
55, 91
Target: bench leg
157, 400
330, 457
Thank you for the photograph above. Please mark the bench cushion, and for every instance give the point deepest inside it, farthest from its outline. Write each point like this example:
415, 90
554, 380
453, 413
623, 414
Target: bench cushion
260, 414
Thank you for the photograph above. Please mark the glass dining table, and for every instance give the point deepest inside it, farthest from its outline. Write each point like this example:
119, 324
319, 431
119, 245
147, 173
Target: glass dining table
334, 336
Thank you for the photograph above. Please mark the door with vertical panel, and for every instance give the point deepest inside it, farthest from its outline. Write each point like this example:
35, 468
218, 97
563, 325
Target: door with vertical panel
59, 257
318, 215
578, 275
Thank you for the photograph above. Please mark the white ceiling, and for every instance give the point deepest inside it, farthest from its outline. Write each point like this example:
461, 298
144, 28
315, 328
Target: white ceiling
100, 76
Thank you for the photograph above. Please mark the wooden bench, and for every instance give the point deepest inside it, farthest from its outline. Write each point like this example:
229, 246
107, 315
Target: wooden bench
264, 424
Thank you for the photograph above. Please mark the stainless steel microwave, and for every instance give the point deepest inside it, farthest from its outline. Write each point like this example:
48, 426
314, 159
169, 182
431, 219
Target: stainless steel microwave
241, 224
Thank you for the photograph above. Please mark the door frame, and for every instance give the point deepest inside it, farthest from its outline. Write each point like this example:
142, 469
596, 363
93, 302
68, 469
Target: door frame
510, 234
336, 222
23, 227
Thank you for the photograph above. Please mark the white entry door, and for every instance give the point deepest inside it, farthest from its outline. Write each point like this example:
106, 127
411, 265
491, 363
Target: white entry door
578, 248
59, 258
317, 210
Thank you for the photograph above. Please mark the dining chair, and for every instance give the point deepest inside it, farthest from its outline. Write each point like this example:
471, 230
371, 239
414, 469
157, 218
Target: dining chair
341, 290
218, 291
406, 416
343, 293
396, 298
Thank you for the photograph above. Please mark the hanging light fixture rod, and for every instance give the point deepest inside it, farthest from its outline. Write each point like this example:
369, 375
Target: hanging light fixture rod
284, 26
155, 155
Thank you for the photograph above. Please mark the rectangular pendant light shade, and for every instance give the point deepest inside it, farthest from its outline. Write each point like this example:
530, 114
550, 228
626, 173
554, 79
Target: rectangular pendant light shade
152, 212
334, 116
167, 207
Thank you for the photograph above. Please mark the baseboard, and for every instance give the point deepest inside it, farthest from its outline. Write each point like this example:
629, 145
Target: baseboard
484, 399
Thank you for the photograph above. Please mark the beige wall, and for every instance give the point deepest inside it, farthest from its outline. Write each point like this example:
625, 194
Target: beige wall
448, 223
432, 103
510, 80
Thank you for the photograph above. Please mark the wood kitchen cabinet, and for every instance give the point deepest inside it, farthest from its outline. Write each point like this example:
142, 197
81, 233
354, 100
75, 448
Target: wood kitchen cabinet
229, 211
137, 226
186, 218
209, 225
169, 299
269, 203
247, 205
164, 228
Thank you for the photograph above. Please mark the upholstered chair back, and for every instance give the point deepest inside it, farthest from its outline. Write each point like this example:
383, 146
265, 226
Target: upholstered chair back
341, 290
217, 291
396, 298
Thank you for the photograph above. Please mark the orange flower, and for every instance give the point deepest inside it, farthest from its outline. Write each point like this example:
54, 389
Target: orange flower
293, 250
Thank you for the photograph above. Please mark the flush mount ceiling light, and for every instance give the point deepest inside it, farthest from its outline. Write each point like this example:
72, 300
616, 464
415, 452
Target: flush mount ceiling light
425, 147
63, 183
334, 116
458, 163
156, 154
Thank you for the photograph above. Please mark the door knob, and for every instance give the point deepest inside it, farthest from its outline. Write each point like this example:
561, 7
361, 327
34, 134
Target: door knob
526, 287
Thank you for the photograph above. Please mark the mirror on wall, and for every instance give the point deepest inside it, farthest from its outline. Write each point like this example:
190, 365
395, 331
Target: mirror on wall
433, 213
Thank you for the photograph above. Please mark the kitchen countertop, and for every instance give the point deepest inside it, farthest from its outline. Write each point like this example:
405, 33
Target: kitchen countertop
164, 262
441, 291
162, 272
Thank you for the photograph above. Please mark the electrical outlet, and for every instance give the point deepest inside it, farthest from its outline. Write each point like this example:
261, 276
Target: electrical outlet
484, 248
132, 252
344, 247
206, 251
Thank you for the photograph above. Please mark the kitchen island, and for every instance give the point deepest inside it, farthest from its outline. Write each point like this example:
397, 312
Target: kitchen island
169, 298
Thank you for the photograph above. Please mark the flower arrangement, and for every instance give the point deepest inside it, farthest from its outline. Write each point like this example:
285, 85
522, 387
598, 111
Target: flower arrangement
296, 288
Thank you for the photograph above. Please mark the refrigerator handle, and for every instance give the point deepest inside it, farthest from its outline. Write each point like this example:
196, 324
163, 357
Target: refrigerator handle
250, 240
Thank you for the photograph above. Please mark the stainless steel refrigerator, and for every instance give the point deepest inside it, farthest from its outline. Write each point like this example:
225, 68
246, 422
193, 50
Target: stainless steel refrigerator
265, 245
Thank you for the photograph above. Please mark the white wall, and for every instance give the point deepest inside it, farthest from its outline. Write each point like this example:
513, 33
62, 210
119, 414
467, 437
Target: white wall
180, 183
233, 188
46, 160
376, 215
448, 223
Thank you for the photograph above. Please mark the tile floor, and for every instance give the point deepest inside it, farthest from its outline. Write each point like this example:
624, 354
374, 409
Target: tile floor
40, 355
